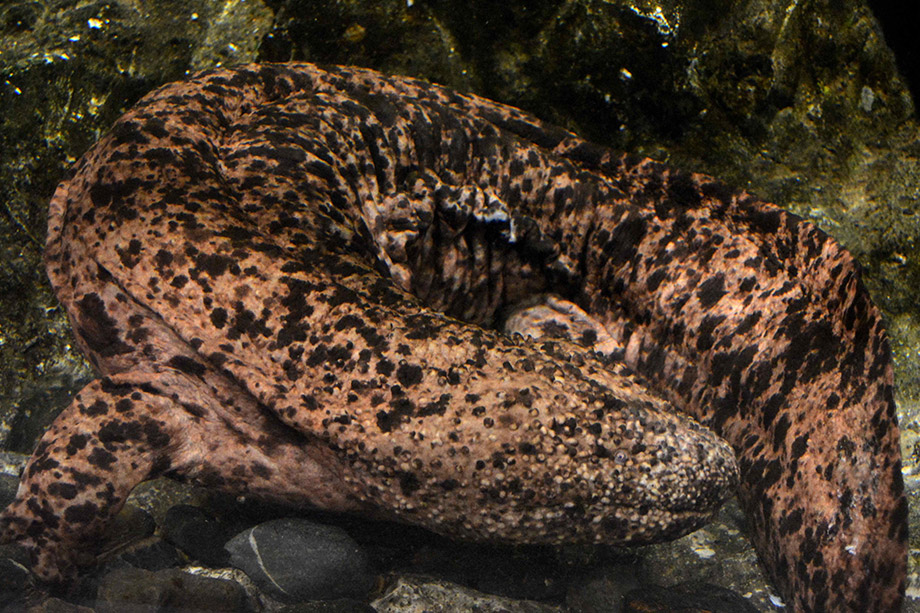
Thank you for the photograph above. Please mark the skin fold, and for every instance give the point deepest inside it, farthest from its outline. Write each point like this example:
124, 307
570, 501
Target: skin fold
292, 281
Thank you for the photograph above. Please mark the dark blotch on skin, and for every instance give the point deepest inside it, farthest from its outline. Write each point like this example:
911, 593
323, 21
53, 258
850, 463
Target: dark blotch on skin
67, 491
100, 458
189, 366
409, 374
81, 513
711, 290
219, 317
99, 331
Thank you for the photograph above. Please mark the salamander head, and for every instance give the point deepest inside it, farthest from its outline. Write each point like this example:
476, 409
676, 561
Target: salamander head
671, 481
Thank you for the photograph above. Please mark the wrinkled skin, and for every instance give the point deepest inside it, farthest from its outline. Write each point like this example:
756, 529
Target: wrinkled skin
289, 279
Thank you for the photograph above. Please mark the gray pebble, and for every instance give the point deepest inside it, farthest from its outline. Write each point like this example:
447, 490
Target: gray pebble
295, 560
140, 591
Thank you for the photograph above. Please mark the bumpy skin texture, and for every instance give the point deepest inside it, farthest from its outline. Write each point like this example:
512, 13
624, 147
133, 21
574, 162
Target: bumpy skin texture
288, 277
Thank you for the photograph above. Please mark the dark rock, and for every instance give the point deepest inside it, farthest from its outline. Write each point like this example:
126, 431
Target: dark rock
14, 576
692, 597
140, 591
130, 525
523, 572
197, 534
8, 485
602, 589
408, 593
39, 401
343, 605
295, 560
129, 541
56, 605
159, 495
418, 44
152, 553
717, 554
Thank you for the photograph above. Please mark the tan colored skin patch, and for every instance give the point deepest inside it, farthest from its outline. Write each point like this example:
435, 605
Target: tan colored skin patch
287, 277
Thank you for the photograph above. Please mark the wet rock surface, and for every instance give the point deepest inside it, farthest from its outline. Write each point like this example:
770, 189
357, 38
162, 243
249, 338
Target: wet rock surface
197, 534
686, 598
141, 590
411, 594
295, 560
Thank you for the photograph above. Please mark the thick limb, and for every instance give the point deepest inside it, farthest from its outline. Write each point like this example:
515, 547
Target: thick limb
64, 502
127, 428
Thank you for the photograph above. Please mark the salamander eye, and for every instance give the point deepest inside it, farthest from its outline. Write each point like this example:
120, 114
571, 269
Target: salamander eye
619, 457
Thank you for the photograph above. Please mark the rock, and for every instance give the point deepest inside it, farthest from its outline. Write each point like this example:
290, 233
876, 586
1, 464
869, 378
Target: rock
690, 597
295, 560
523, 572
602, 589
343, 605
9, 482
130, 541
56, 605
12, 463
158, 496
412, 594
142, 591
152, 553
131, 525
718, 554
197, 534
14, 576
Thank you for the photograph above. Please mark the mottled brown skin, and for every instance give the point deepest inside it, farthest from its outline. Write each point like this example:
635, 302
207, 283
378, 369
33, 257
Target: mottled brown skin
289, 276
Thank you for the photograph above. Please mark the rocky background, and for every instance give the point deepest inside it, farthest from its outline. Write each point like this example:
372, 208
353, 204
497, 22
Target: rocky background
800, 102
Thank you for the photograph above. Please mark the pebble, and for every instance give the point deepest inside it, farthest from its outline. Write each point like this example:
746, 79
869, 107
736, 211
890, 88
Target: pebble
415, 594
295, 560
143, 591
196, 533
601, 590
689, 597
